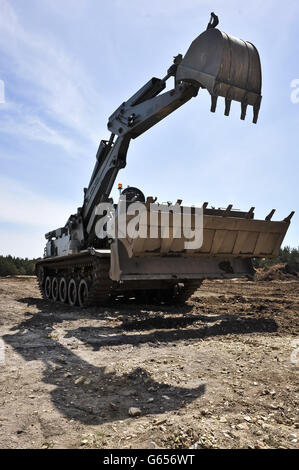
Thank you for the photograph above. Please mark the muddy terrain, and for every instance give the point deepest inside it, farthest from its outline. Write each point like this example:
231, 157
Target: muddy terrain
219, 372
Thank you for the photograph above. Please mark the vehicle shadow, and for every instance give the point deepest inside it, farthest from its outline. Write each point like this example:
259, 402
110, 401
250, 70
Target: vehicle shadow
84, 392
173, 331
94, 394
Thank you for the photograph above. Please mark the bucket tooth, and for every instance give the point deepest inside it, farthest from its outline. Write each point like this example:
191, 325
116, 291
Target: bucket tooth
213, 103
228, 103
243, 110
256, 110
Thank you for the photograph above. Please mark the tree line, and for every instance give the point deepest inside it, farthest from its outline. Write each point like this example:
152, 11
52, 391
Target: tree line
287, 255
11, 266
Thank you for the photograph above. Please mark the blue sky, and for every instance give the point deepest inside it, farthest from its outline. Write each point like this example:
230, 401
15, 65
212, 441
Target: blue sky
67, 65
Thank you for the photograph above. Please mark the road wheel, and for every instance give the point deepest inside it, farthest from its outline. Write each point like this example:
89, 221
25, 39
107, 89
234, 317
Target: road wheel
72, 292
63, 290
48, 288
55, 289
82, 293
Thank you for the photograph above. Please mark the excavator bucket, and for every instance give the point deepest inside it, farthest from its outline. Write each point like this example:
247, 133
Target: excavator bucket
225, 66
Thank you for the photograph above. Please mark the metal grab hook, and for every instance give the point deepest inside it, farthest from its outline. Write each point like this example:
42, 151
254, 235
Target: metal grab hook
214, 21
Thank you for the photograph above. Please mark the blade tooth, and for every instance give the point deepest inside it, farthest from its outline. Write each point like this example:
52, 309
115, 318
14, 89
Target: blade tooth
270, 215
228, 103
250, 212
288, 218
227, 210
214, 99
243, 110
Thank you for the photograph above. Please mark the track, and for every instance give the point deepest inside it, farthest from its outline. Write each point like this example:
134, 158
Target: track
85, 281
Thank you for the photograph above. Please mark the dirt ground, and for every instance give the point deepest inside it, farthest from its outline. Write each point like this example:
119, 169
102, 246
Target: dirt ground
216, 373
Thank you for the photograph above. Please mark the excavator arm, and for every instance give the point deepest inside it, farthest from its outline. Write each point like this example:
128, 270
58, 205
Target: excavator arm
215, 61
134, 117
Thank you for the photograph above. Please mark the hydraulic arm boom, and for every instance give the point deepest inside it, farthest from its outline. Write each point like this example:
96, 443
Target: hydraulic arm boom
215, 61
131, 119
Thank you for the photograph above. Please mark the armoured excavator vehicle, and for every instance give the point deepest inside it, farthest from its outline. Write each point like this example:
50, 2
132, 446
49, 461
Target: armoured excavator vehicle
86, 264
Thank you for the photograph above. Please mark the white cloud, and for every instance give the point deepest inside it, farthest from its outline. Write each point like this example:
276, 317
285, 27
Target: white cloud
63, 92
32, 127
19, 205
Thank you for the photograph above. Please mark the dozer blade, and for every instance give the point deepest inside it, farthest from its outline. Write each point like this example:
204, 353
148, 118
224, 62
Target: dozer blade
227, 67
230, 239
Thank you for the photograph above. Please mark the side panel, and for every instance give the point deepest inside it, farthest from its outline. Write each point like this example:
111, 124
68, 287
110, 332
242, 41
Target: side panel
176, 268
